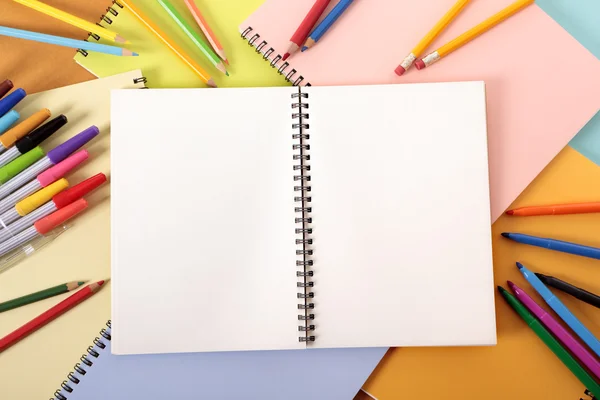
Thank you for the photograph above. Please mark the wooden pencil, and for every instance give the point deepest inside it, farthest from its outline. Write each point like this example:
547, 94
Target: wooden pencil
472, 33
37, 296
299, 37
49, 315
208, 32
152, 27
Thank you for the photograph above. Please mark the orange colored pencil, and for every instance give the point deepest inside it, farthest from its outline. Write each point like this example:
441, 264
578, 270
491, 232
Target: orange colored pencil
210, 35
152, 27
49, 315
557, 209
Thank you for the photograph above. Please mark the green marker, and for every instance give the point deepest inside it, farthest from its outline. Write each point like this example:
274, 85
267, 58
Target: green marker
551, 342
13, 168
194, 36
41, 295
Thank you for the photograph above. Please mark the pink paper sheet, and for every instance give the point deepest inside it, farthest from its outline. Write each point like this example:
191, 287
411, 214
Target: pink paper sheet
542, 85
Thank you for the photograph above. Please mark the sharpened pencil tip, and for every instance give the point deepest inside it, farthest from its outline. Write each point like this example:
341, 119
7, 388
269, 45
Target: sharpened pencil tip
303, 49
226, 61
134, 54
519, 265
121, 39
81, 283
211, 83
286, 56
510, 212
506, 235
226, 73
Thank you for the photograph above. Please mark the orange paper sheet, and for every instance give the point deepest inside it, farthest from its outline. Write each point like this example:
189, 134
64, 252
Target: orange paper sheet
520, 366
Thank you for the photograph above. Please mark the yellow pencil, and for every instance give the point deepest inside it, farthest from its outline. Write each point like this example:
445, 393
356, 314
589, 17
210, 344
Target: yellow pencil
472, 33
73, 20
431, 35
152, 27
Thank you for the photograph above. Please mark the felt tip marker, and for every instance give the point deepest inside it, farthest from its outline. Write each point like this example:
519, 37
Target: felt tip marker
24, 128
44, 226
8, 120
5, 87
37, 206
8, 171
563, 312
7, 103
53, 157
44, 179
32, 140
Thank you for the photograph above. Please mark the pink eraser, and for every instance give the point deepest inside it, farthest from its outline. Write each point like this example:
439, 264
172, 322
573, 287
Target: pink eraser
62, 168
420, 64
399, 70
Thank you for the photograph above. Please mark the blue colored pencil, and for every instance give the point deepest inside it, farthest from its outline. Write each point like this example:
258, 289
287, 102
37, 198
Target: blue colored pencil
326, 23
561, 309
556, 245
66, 42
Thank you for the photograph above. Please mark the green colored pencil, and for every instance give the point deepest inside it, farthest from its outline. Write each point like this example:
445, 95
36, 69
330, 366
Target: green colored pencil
41, 295
551, 342
194, 36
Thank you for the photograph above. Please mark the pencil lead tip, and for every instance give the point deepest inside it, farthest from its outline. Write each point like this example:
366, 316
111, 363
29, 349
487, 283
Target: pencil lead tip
303, 49
121, 39
81, 283
226, 73
519, 265
506, 234
226, 61
510, 212
286, 56
133, 53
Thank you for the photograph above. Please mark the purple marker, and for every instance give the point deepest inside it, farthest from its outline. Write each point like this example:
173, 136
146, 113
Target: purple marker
53, 157
557, 330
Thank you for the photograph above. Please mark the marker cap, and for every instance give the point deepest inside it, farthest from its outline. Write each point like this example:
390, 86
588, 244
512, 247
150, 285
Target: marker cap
11, 136
42, 133
11, 169
8, 119
78, 191
64, 150
62, 168
59, 217
5, 87
28, 204
11, 100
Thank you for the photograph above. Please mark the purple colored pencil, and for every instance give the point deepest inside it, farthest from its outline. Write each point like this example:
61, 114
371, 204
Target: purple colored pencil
557, 330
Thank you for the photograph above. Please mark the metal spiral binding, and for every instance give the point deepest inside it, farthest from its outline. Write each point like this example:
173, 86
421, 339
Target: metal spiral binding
263, 48
106, 18
303, 221
93, 351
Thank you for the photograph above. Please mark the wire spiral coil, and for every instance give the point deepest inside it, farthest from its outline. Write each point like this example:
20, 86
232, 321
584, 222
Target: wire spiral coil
263, 48
86, 362
303, 220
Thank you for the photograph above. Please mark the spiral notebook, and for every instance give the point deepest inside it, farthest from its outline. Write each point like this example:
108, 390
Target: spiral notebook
320, 217
330, 374
537, 101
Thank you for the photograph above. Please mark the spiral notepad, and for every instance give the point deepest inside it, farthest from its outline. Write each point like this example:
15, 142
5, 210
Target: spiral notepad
294, 218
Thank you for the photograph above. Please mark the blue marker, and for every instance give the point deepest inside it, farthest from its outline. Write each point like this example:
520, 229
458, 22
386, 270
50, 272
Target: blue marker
556, 245
8, 119
11, 100
324, 26
561, 310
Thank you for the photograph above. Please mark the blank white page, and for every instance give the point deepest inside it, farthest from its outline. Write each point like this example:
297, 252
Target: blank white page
203, 242
401, 215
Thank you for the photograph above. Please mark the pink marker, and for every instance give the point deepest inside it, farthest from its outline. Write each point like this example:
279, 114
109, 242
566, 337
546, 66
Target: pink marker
557, 330
44, 179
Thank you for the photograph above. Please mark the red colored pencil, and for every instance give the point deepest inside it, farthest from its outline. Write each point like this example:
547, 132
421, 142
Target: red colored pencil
49, 315
299, 37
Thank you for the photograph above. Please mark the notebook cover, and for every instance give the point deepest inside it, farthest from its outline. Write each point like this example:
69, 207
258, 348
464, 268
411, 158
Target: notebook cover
81, 253
542, 85
498, 373
266, 375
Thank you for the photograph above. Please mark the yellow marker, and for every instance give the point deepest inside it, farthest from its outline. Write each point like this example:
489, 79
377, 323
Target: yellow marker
473, 33
73, 20
40, 197
431, 35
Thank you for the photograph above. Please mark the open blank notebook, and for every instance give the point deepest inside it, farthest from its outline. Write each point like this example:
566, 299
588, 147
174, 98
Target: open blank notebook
287, 218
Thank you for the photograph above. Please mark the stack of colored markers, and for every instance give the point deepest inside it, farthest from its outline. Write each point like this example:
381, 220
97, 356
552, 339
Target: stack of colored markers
34, 199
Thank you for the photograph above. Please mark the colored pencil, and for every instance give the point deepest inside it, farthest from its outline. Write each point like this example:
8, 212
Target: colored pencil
431, 36
299, 37
152, 27
73, 20
541, 332
12, 135
65, 42
5, 87
327, 23
7, 103
556, 245
557, 209
563, 336
206, 50
578, 293
208, 32
559, 308
49, 315
38, 296
472, 33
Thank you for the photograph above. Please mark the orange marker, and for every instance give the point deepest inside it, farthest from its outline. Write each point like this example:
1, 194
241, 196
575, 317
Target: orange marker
557, 209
